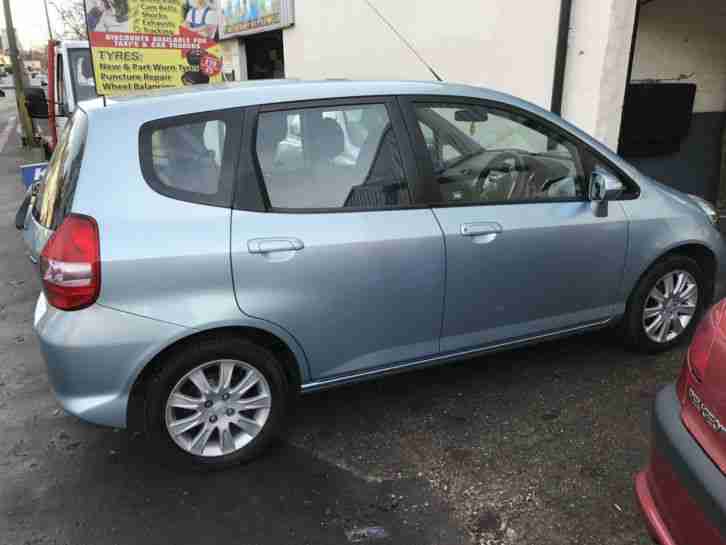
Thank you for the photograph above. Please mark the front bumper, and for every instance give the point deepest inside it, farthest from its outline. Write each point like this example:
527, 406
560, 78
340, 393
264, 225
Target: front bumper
682, 493
94, 355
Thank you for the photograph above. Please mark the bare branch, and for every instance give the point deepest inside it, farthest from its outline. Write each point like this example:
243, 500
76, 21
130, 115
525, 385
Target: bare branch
73, 17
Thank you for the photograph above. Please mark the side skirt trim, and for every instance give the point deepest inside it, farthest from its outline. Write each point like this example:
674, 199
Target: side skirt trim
445, 358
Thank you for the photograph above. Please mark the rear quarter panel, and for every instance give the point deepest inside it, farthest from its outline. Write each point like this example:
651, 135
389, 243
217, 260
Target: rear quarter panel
162, 258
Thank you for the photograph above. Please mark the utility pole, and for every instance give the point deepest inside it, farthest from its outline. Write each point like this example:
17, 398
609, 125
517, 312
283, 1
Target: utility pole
47, 20
19, 78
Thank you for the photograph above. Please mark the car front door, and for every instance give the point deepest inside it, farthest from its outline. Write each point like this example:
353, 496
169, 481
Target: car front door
325, 240
527, 254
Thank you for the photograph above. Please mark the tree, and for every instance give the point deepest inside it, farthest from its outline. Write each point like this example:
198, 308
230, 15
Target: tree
72, 15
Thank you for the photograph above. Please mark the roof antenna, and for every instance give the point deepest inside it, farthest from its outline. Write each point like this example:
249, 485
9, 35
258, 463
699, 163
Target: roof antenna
404, 40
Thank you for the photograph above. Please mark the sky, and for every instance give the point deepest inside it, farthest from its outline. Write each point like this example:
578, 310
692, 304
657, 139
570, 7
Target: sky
29, 19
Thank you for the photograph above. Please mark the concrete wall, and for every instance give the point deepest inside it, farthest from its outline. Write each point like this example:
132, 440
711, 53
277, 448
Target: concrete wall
508, 45
597, 65
235, 60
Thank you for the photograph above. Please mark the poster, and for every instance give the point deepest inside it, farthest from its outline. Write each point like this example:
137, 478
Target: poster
138, 45
250, 16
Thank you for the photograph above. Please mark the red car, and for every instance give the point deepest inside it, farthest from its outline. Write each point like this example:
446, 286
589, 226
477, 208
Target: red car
682, 491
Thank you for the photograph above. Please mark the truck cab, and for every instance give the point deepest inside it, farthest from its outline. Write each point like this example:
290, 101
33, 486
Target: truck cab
70, 81
72, 76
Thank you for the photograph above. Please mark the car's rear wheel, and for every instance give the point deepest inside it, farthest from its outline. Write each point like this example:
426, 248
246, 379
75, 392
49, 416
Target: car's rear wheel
665, 305
218, 403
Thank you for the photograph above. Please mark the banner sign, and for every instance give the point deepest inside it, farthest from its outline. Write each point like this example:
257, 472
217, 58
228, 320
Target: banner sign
251, 16
137, 45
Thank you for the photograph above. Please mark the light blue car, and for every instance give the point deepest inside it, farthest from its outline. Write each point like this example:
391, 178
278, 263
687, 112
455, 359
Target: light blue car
207, 255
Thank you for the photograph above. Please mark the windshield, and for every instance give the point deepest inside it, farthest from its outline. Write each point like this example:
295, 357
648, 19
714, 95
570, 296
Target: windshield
84, 87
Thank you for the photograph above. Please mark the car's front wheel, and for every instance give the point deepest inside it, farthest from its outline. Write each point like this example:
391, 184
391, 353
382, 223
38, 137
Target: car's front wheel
218, 403
665, 306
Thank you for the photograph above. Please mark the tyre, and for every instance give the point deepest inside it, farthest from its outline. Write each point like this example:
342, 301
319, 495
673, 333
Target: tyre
665, 305
217, 403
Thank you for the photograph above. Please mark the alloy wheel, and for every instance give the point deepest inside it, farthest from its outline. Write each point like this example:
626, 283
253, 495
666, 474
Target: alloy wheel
670, 306
218, 408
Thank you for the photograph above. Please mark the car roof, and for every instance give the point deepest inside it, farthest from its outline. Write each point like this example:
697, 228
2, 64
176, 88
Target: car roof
201, 98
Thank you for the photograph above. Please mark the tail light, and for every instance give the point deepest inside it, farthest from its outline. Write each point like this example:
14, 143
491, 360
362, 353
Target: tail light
70, 264
699, 353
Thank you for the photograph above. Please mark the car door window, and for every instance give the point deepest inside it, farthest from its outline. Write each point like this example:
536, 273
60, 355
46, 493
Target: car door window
330, 158
484, 155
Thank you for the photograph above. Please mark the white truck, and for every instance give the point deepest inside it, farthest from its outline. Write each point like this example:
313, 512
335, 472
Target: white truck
70, 80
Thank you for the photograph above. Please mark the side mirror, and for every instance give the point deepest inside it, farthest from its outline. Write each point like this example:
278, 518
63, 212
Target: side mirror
604, 187
36, 103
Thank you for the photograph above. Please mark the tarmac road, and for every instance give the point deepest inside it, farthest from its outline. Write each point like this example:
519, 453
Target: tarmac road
535, 446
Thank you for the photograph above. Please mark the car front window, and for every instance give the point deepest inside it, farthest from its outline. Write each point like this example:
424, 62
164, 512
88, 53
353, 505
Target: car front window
487, 155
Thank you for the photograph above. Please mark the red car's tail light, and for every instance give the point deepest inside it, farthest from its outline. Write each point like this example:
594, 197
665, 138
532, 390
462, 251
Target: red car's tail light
706, 334
699, 352
70, 264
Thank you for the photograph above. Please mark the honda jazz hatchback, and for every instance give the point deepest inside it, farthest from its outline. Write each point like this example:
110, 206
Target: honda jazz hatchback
207, 255
682, 492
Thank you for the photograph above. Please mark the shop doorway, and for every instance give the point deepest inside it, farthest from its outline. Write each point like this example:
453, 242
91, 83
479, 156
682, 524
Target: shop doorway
674, 115
265, 58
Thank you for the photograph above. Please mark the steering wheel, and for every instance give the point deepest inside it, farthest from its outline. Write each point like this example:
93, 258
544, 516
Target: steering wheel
501, 177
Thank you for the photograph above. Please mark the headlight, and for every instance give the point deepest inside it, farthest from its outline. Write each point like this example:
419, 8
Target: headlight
707, 208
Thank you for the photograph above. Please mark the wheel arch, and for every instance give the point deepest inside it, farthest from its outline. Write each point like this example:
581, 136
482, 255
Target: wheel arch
699, 252
295, 371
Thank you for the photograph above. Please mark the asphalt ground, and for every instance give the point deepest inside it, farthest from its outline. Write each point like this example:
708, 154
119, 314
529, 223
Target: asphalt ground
533, 446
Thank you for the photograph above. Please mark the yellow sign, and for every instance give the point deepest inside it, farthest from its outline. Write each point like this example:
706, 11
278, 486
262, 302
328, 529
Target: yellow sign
139, 45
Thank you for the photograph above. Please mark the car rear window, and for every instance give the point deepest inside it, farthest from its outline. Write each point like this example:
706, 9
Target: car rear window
189, 157
55, 196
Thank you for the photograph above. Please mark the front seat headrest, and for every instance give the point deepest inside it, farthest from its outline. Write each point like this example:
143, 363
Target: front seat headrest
330, 139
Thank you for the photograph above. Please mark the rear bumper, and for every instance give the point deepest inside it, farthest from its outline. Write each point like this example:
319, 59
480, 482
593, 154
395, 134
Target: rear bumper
94, 355
682, 493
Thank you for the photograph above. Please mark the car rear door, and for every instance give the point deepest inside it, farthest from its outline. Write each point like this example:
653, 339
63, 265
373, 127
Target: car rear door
527, 255
326, 242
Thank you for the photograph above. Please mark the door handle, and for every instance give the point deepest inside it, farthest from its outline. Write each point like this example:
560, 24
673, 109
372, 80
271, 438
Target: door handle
269, 245
479, 228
